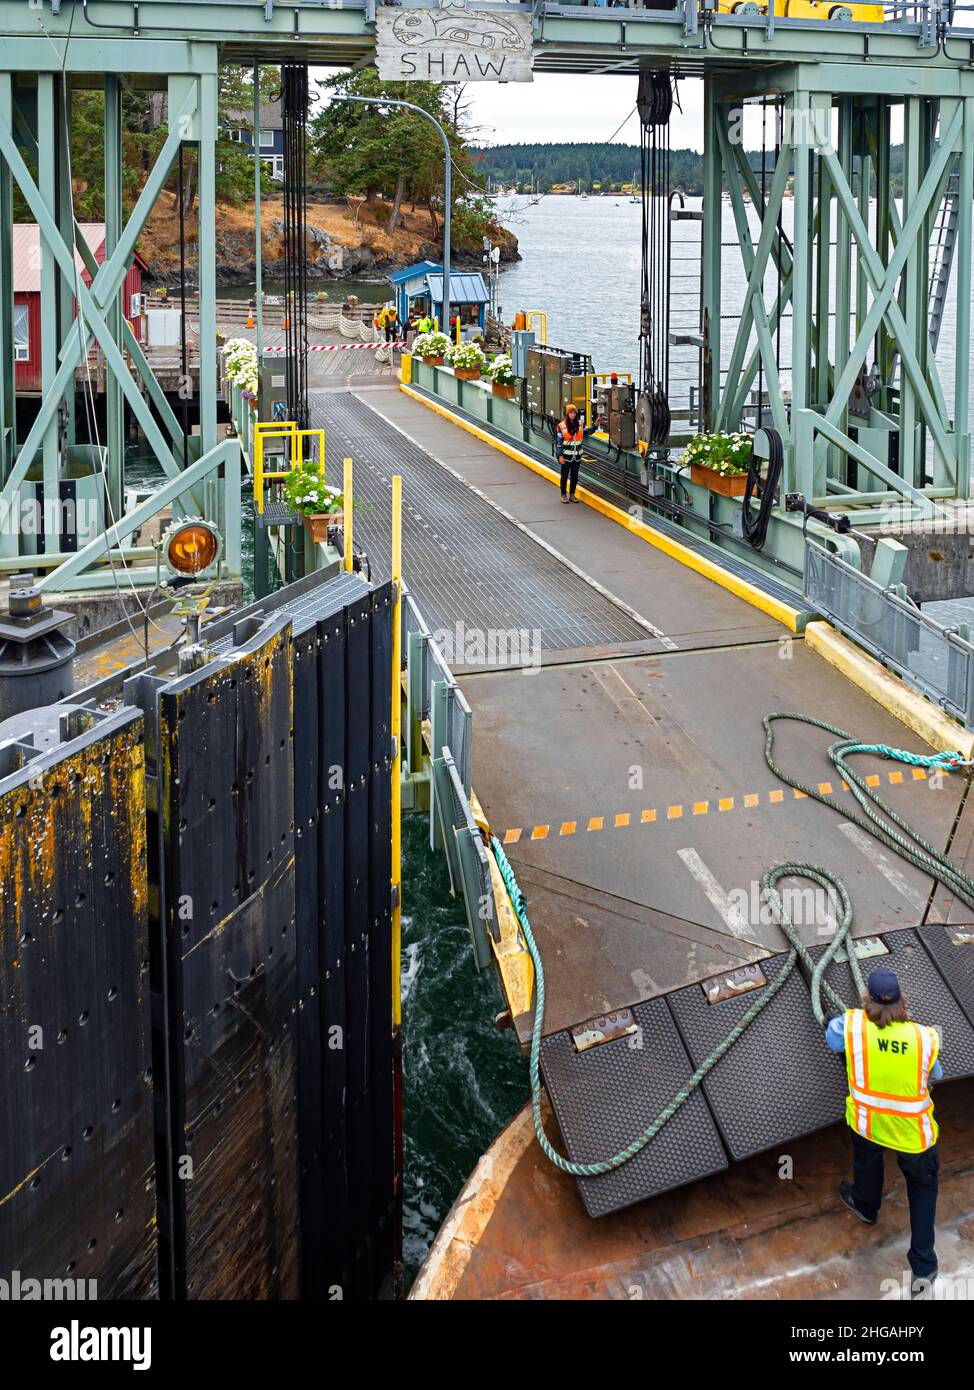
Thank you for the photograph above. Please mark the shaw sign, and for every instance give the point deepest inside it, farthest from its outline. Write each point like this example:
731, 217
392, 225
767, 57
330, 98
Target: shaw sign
452, 43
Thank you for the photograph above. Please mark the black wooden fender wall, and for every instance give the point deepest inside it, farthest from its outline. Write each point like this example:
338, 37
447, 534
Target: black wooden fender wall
197, 1075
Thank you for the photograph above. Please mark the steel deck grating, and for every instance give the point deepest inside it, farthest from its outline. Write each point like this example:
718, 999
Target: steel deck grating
955, 963
462, 560
606, 1095
593, 479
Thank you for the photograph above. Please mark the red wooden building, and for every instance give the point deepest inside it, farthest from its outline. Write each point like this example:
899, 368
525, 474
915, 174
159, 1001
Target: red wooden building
27, 296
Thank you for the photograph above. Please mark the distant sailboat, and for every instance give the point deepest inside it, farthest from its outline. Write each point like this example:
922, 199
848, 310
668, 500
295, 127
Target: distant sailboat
632, 189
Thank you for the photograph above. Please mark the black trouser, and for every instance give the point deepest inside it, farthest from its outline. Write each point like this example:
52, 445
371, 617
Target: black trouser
921, 1173
390, 332
569, 469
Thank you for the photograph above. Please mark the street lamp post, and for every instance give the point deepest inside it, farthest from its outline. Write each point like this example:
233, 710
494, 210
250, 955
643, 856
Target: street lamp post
447, 191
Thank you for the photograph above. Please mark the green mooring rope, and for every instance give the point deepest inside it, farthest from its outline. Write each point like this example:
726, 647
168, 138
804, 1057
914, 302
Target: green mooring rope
909, 845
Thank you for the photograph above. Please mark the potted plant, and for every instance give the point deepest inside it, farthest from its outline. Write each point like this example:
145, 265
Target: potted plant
240, 359
500, 374
719, 462
467, 361
319, 505
432, 348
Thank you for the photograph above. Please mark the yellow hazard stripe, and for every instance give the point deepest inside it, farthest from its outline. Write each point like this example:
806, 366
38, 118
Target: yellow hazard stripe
617, 820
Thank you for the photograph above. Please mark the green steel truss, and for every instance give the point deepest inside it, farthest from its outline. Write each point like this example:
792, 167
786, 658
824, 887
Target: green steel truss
854, 275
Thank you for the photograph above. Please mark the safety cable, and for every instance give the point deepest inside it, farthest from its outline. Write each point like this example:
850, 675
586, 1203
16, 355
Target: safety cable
910, 845
755, 524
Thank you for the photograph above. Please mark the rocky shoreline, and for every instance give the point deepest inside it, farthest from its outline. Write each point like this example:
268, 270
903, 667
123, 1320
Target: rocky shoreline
341, 251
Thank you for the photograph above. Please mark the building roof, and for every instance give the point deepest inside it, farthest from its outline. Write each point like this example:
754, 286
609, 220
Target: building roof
468, 288
271, 116
27, 253
412, 272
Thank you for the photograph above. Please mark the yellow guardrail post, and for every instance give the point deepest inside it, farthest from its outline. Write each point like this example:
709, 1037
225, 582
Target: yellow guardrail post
396, 758
348, 503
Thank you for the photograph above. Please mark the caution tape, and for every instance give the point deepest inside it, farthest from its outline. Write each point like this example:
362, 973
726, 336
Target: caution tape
343, 347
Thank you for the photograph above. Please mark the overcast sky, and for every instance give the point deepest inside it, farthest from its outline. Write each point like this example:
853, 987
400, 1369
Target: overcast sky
555, 107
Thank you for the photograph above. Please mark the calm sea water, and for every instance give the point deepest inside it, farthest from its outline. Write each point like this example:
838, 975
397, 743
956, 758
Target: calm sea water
581, 263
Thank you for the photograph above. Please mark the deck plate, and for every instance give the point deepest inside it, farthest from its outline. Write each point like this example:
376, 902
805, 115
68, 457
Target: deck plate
605, 1096
778, 1081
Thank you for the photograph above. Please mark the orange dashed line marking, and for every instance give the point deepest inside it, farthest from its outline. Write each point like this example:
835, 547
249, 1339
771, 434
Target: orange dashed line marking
749, 800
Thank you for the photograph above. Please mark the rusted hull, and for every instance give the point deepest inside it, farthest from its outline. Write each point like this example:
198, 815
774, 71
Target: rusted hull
770, 1228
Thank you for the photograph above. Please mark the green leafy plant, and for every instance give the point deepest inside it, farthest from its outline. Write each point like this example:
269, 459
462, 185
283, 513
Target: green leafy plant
500, 371
431, 345
240, 357
726, 454
467, 356
307, 492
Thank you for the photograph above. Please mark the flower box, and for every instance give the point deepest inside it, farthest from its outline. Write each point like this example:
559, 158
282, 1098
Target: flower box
318, 524
727, 485
467, 373
499, 389
434, 361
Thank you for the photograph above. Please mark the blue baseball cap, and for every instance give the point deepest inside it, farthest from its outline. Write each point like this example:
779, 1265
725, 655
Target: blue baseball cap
883, 986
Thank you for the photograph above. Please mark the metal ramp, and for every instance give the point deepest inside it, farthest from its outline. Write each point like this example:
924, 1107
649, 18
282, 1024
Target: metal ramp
606, 1094
777, 1083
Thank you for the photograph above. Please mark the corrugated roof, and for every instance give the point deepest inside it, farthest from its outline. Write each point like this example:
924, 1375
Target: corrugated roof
412, 272
27, 253
466, 288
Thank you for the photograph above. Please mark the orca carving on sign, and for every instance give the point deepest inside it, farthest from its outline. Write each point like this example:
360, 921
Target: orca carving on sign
455, 24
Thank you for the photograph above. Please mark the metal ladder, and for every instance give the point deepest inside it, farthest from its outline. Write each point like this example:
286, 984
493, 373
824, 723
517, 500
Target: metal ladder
942, 243
685, 290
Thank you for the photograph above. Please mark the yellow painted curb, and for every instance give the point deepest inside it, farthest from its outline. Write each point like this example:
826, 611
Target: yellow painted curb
740, 588
912, 709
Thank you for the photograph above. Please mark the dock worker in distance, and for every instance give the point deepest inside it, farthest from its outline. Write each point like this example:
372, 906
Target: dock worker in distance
569, 435
890, 1062
424, 324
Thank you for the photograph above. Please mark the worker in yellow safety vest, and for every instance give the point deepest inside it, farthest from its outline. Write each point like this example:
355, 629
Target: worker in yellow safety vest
890, 1062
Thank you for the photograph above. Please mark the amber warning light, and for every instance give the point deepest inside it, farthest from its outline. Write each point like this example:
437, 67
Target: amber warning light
192, 546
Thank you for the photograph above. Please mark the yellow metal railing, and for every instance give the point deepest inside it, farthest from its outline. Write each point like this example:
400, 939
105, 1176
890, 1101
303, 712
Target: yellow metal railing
542, 320
348, 505
282, 429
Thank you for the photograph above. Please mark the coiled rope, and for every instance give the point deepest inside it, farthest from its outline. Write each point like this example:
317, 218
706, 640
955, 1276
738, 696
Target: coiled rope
910, 845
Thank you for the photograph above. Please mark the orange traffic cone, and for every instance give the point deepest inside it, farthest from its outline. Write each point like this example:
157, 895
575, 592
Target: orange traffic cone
250, 319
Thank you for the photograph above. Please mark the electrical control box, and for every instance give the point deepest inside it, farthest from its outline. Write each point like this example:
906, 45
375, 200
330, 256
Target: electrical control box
272, 387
